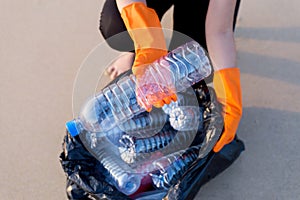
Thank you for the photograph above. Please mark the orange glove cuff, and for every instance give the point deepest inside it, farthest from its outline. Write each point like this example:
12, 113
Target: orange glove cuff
228, 90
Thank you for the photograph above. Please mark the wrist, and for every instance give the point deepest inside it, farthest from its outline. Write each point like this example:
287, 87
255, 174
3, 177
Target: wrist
124, 3
148, 56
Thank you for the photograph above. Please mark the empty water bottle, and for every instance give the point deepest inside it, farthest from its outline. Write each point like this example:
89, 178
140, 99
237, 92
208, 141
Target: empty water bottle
107, 109
156, 142
145, 124
173, 166
185, 114
186, 98
174, 72
117, 172
184, 118
187, 64
133, 148
114, 136
139, 150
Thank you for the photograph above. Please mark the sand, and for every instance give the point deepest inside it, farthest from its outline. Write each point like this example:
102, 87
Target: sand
43, 44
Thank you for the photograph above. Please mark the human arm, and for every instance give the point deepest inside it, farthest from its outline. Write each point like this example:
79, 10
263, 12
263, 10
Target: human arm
222, 51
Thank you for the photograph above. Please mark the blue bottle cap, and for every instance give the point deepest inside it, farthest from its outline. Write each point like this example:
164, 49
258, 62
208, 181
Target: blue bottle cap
71, 126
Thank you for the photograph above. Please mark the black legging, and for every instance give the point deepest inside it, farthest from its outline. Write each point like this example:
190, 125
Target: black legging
185, 13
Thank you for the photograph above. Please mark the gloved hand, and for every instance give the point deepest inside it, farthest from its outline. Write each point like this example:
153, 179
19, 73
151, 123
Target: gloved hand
228, 90
145, 30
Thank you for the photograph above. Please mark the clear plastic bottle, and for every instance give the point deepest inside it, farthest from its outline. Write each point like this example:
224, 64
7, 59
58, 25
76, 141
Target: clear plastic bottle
185, 114
184, 118
172, 167
125, 181
138, 150
144, 124
117, 103
117, 172
133, 148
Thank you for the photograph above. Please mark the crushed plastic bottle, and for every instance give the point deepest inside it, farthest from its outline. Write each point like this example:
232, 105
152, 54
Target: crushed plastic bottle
184, 114
173, 166
145, 124
132, 147
117, 172
115, 104
184, 118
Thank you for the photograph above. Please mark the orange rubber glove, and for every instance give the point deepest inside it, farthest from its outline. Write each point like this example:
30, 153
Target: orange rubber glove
145, 30
228, 90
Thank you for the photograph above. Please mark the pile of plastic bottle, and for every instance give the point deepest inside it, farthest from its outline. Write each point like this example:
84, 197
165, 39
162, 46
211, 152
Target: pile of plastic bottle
140, 149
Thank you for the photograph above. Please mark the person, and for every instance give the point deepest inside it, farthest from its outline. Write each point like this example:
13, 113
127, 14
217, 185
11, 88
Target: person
210, 23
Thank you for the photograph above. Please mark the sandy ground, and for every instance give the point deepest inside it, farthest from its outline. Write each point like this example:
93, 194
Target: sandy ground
43, 43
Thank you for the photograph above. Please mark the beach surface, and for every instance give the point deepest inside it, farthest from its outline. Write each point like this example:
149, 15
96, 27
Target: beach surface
43, 45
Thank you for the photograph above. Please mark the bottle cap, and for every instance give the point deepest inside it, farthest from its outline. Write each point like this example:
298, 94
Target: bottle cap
71, 126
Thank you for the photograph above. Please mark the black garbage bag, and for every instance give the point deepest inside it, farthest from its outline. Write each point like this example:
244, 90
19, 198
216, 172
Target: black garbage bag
83, 171
204, 170
85, 174
85, 181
